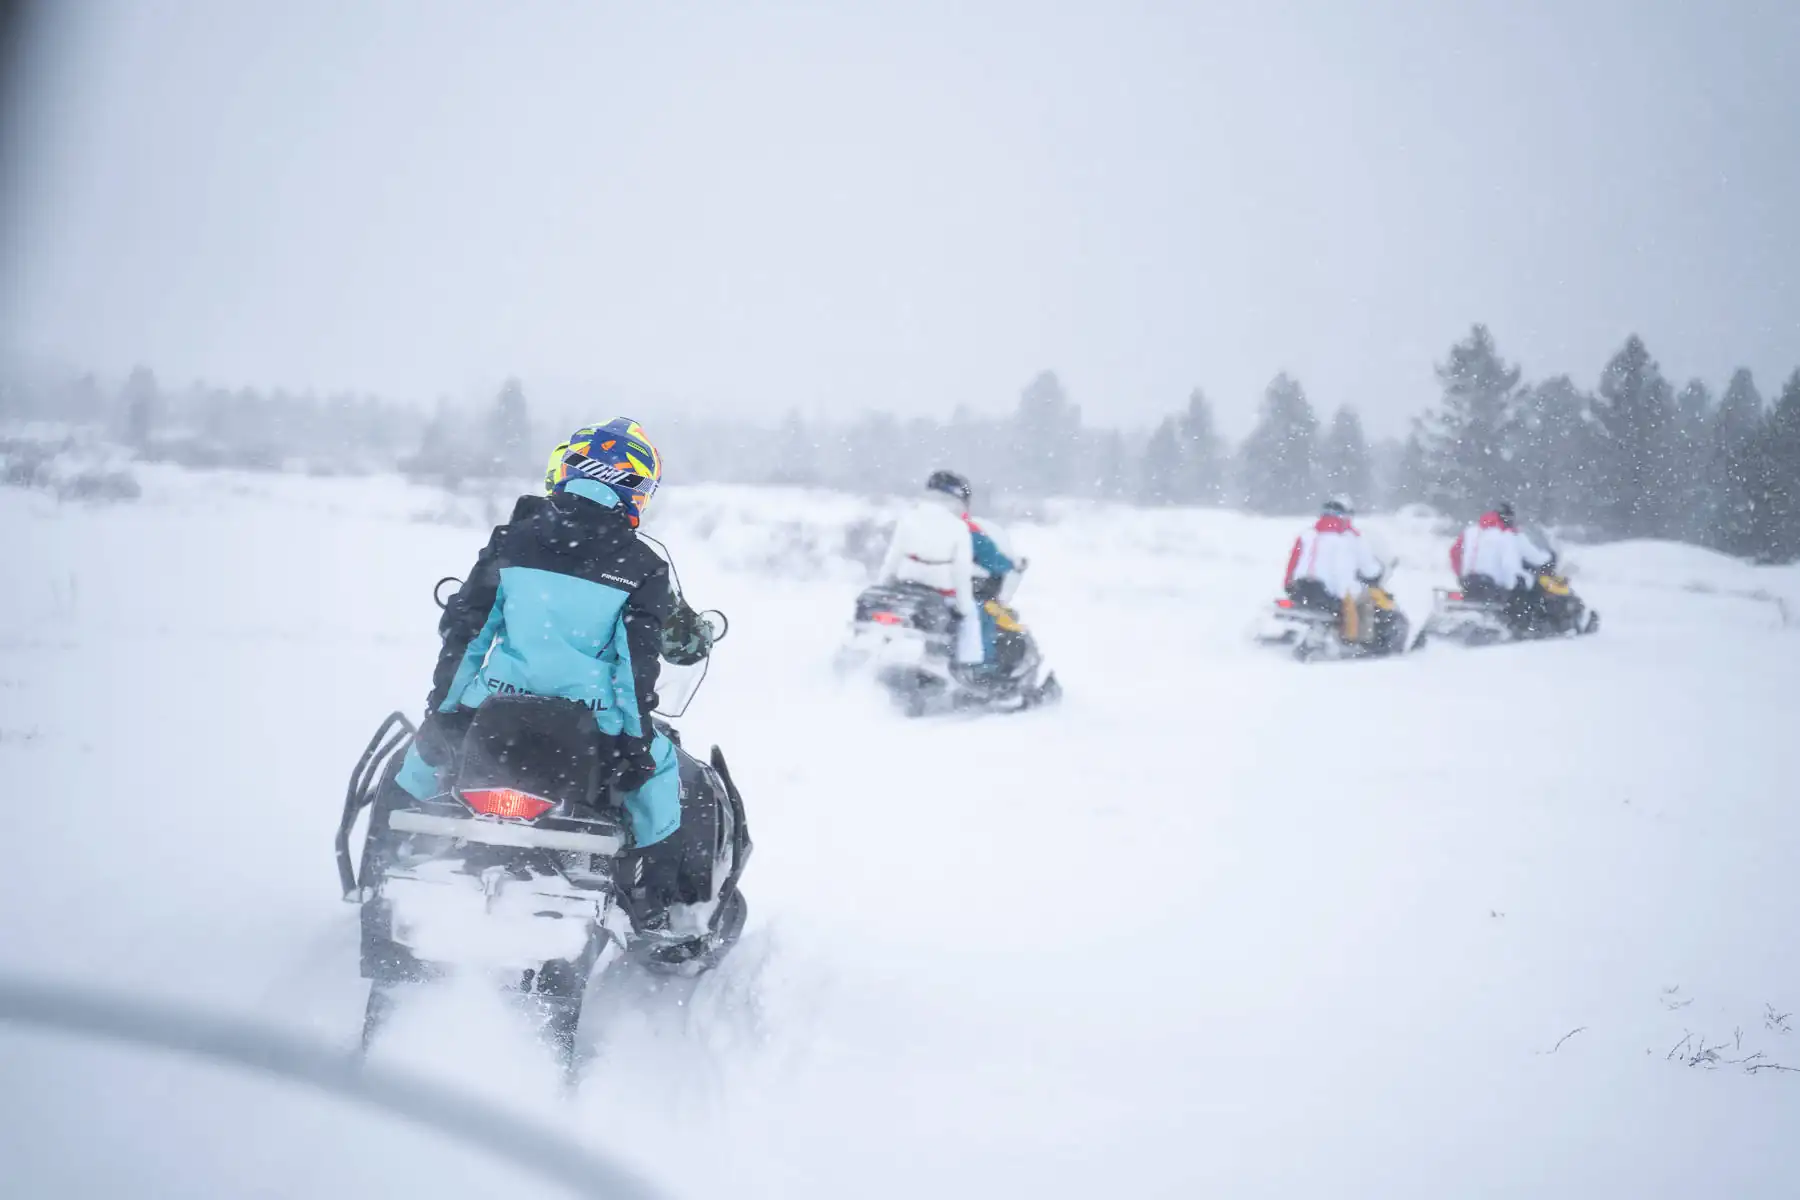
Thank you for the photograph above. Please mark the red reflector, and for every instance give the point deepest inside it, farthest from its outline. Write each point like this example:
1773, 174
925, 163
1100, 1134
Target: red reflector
507, 802
1284, 603
1456, 595
887, 618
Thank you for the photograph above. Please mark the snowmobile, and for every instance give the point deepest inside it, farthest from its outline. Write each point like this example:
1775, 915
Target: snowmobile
524, 869
905, 634
1554, 611
1314, 634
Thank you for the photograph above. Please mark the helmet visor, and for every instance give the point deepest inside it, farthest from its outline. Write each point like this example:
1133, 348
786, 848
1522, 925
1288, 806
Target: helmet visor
641, 486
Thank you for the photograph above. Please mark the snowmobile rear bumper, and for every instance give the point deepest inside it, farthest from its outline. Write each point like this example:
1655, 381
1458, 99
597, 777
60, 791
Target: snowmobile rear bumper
492, 832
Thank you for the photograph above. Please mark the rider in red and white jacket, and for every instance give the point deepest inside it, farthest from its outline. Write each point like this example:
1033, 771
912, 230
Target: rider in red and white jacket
1492, 559
937, 543
1330, 561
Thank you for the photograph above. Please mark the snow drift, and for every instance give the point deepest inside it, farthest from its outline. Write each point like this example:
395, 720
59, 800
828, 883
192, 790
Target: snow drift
1503, 922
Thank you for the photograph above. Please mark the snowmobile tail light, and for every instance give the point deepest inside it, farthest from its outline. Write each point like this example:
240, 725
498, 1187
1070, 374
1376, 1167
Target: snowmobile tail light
1456, 595
1284, 602
510, 803
887, 618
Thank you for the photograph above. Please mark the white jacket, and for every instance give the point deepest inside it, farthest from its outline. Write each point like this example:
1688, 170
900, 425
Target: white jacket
1336, 555
933, 545
1488, 547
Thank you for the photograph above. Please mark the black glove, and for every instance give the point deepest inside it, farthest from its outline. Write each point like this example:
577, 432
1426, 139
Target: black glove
436, 741
686, 636
635, 765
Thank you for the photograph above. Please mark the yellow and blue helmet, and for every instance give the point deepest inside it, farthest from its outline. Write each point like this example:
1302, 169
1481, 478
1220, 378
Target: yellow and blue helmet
618, 454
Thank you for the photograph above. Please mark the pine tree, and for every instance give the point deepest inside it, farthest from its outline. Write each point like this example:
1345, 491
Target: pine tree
1774, 471
508, 431
443, 453
1201, 476
1634, 416
1695, 493
1385, 457
1464, 440
1411, 481
1552, 447
1160, 476
1277, 461
1344, 459
83, 400
1047, 438
1741, 412
143, 404
1113, 473
1737, 425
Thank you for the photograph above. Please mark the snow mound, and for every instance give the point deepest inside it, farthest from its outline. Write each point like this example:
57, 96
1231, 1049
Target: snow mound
1501, 922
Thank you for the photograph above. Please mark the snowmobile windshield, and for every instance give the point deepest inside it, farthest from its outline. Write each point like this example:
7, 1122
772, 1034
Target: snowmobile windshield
677, 685
1543, 539
681, 674
1382, 549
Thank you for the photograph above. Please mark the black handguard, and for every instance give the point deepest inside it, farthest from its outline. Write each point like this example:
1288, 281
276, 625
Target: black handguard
686, 636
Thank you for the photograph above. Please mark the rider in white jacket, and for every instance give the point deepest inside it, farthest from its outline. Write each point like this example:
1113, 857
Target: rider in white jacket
1492, 558
939, 545
1330, 561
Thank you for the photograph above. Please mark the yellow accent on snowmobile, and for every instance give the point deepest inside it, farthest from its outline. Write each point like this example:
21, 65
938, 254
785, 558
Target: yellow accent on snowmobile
1005, 618
1556, 585
1351, 617
1382, 600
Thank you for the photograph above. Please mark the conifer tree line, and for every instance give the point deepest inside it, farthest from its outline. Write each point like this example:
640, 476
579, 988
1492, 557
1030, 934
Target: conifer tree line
1632, 456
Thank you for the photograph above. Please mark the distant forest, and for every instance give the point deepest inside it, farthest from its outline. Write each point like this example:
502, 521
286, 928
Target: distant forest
1632, 456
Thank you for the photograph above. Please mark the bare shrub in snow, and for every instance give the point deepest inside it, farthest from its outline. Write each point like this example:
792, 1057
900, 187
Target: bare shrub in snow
105, 487
1697, 1051
26, 465
40, 465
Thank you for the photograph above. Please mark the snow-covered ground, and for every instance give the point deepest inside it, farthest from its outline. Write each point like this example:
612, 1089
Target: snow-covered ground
1487, 923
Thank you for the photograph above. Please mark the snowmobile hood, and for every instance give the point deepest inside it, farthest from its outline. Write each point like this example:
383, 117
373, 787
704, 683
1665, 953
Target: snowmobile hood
1332, 523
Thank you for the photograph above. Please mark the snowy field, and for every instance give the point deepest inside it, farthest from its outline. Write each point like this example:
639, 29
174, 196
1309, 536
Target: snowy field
1511, 922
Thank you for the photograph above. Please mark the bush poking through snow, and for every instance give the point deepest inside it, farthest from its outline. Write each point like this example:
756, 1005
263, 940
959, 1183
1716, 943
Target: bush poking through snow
41, 466
1696, 1051
104, 487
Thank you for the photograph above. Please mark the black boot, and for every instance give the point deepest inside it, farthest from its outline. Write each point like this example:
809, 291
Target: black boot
691, 956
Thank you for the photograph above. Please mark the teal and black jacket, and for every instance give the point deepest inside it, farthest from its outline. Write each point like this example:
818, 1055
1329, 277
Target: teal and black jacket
564, 600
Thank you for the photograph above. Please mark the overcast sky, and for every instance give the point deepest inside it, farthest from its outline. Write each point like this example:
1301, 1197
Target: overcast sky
910, 205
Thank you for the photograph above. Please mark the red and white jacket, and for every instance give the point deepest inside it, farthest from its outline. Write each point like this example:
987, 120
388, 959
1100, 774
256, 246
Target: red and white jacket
1492, 548
1335, 554
934, 545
